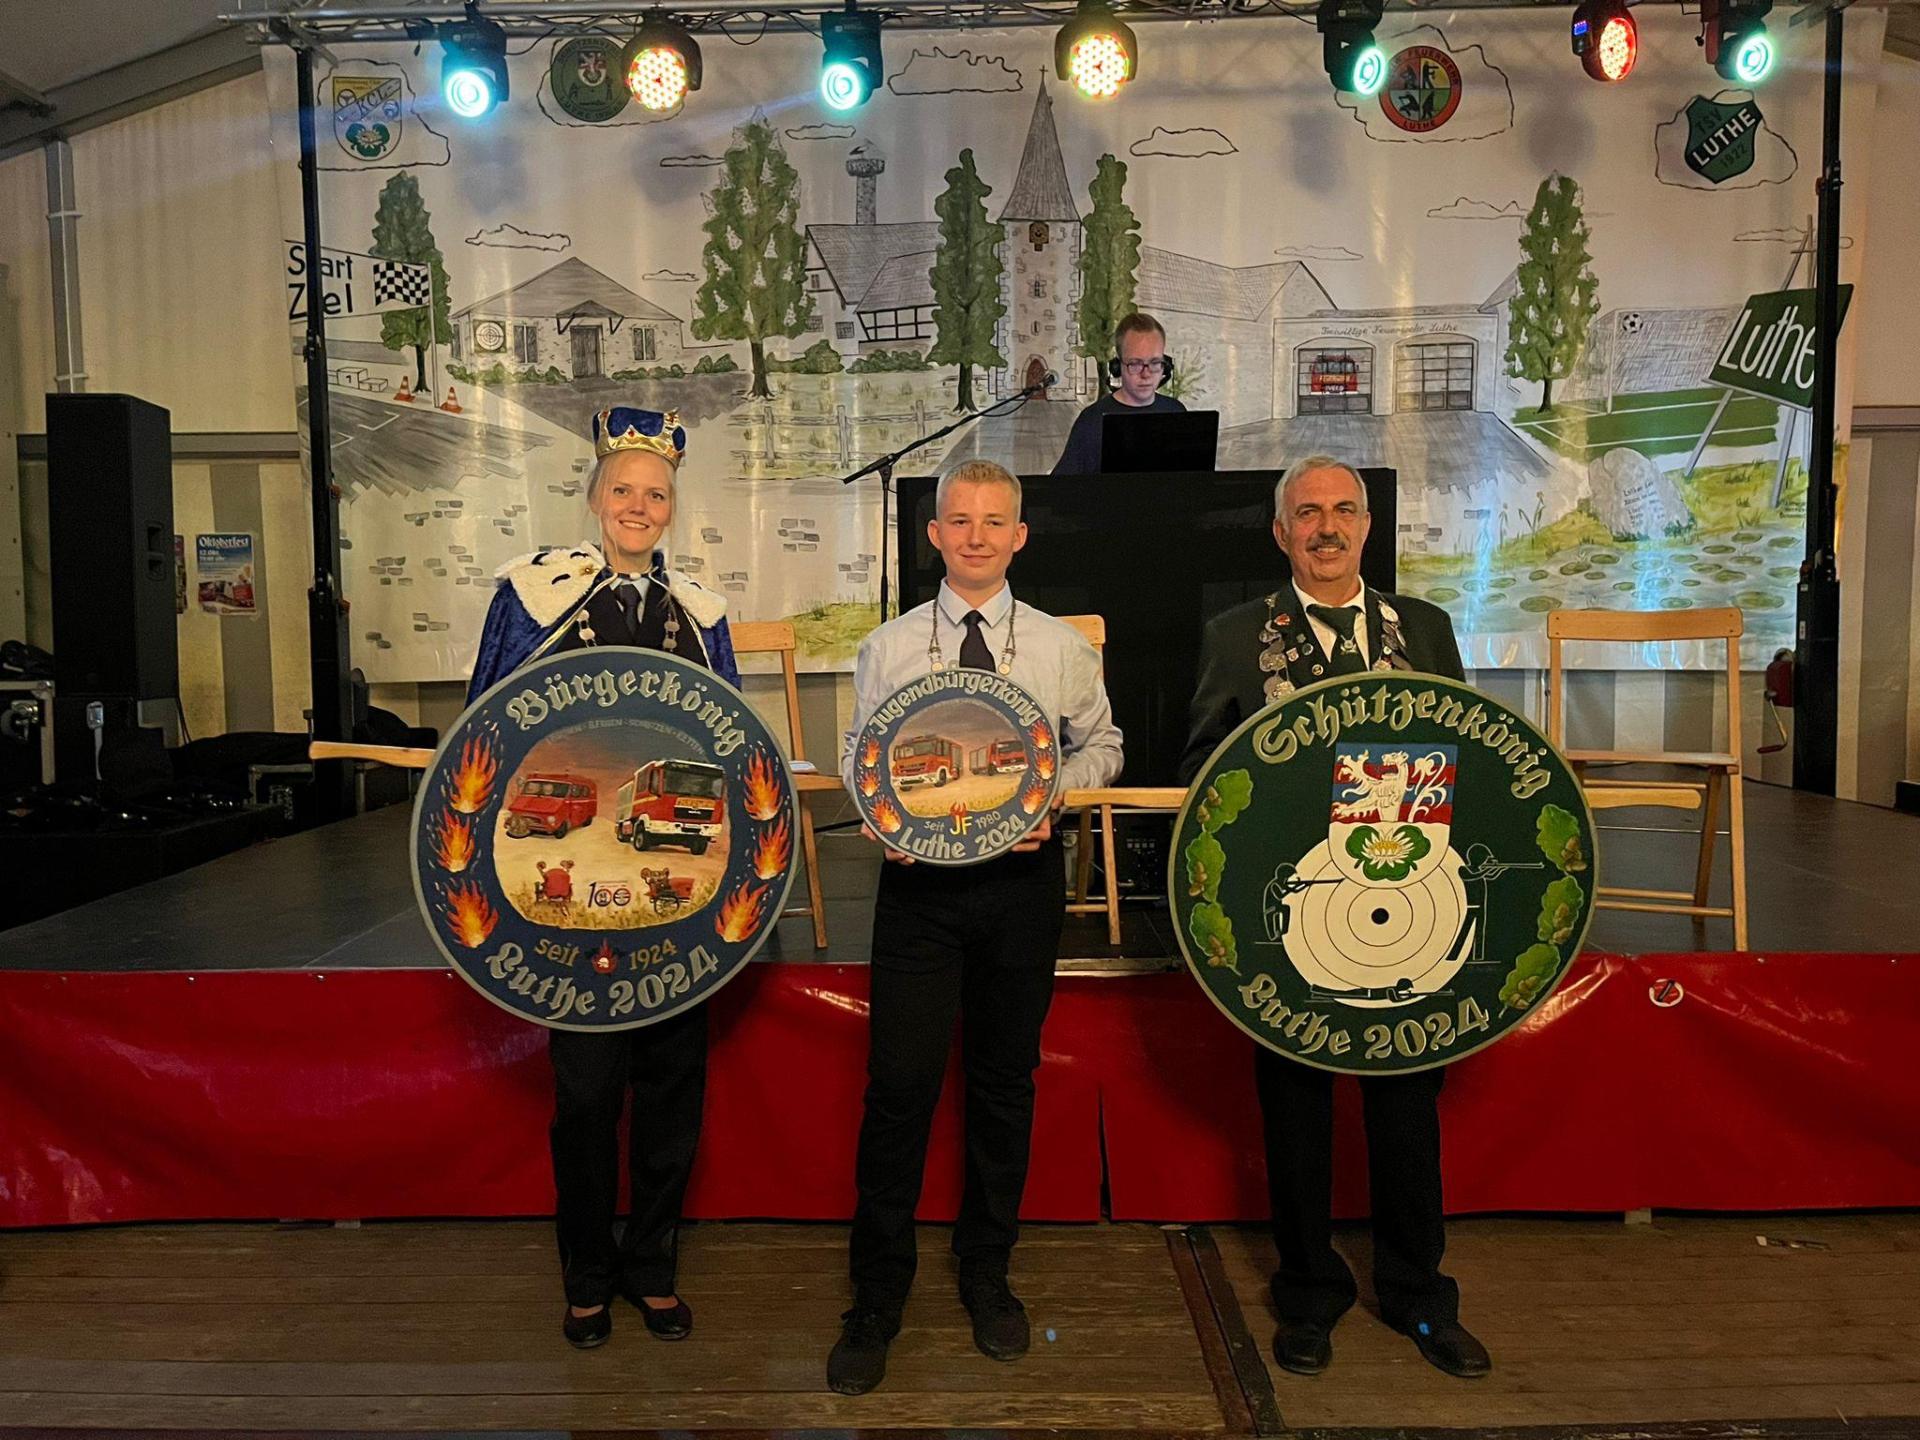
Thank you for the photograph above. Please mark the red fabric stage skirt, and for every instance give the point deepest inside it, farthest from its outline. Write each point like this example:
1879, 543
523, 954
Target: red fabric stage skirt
1775, 1083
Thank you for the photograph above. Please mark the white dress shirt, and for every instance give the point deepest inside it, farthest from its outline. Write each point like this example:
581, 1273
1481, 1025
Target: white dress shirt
1052, 662
1326, 634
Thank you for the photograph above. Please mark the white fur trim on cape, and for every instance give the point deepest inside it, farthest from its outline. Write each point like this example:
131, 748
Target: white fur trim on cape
705, 606
549, 583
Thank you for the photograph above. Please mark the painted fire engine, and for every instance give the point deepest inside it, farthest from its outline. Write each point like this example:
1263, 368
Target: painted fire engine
672, 802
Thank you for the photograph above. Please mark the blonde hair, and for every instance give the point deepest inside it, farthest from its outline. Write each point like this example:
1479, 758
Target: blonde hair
976, 472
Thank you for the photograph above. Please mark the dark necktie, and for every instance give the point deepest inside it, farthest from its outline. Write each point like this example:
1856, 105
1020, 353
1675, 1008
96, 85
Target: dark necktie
974, 653
1346, 658
629, 597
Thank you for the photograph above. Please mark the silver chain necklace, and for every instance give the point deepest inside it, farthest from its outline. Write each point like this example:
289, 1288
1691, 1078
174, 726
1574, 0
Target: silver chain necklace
936, 660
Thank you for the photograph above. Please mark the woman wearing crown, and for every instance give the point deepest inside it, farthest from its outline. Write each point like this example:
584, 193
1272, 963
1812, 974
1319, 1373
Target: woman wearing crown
618, 592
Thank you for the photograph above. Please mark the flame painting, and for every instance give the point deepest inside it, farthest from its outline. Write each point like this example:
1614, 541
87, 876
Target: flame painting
453, 843
604, 959
957, 812
1043, 764
763, 787
1034, 797
869, 783
470, 785
1041, 736
886, 817
741, 912
870, 753
773, 850
470, 919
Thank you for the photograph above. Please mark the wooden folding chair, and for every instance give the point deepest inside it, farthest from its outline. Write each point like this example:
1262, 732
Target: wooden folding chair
1719, 770
775, 637
1106, 803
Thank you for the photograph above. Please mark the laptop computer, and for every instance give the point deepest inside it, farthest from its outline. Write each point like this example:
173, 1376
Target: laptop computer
1159, 440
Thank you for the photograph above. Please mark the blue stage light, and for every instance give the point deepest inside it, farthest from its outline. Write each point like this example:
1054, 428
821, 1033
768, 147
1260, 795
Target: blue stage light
473, 65
850, 64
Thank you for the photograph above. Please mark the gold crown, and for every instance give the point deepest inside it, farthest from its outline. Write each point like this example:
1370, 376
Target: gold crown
624, 428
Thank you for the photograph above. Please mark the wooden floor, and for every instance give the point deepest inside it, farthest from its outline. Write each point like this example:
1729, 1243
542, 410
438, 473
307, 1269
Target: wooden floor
1593, 1325
1595, 1322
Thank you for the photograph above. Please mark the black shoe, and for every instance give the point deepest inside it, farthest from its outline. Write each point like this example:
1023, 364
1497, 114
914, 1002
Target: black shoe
1303, 1346
1000, 1329
583, 1332
858, 1361
1448, 1345
673, 1323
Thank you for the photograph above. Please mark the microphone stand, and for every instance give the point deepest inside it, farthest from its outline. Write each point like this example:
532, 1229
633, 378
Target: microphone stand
884, 468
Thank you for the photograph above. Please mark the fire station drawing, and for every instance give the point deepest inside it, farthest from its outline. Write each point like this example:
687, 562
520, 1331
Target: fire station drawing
956, 768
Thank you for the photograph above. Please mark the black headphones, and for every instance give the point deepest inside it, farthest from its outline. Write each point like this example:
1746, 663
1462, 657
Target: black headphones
1166, 369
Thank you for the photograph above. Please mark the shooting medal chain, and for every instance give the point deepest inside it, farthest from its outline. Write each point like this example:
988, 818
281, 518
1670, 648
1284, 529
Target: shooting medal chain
1284, 640
936, 659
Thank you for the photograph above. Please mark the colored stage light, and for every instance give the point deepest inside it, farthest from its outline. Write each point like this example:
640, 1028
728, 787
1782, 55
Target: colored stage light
1606, 39
662, 64
850, 64
1752, 57
1354, 63
1095, 51
473, 65
1734, 33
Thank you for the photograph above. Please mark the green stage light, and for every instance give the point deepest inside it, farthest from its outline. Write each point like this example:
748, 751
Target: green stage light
1354, 63
850, 63
1734, 34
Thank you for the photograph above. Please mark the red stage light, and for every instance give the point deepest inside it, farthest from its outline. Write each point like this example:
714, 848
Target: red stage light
1606, 39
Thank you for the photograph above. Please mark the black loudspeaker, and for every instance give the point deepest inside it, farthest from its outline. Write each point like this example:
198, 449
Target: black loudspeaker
110, 511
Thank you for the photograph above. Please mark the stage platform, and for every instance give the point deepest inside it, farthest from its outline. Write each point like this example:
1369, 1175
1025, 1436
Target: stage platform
1682, 1329
1821, 874
273, 1035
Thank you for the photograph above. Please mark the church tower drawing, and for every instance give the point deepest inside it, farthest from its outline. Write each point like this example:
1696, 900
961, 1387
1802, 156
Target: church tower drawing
1041, 279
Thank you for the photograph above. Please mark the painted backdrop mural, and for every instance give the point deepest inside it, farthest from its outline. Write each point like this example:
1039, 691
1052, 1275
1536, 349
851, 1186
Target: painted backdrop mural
1504, 281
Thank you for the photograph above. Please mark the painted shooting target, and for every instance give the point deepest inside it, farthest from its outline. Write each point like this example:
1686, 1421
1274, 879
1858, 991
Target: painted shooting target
1382, 872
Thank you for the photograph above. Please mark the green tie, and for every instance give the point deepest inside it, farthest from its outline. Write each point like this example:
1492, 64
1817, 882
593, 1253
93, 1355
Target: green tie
1346, 657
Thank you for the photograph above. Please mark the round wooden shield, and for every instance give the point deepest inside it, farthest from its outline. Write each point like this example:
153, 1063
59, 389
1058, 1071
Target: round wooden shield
956, 768
1383, 872
605, 838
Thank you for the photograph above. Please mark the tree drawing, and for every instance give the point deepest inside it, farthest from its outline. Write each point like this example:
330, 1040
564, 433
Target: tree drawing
1556, 299
966, 278
755, 253
403, 230
1109, 260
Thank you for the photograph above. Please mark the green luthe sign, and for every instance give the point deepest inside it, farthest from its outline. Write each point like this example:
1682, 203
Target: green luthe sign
1773, 348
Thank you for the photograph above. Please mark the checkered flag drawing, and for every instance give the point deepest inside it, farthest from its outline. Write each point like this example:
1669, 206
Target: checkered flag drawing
400, 286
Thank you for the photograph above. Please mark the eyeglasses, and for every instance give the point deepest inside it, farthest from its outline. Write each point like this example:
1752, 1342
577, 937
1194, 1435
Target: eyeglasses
1145, 367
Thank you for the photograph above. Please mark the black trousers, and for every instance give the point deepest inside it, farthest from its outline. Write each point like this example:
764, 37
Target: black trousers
1403, 1161
665, 1065
978, 942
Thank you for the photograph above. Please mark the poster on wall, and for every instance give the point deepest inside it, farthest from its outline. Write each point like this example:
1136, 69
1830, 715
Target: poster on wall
1507, 284
223, 568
